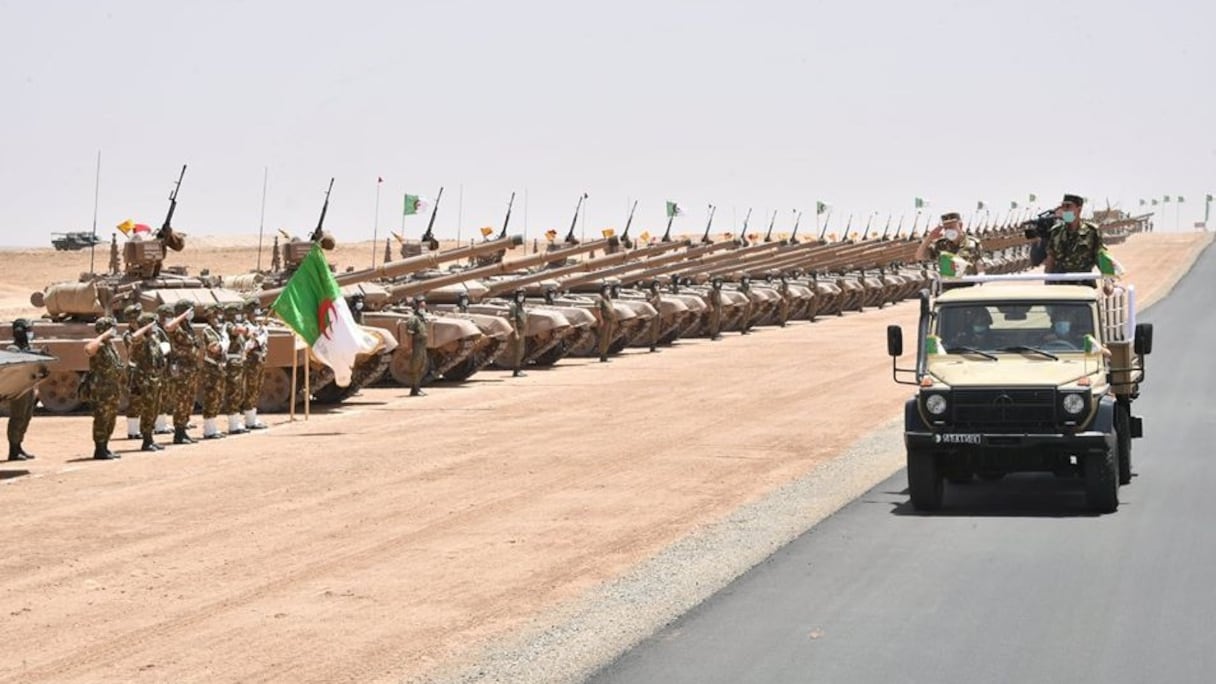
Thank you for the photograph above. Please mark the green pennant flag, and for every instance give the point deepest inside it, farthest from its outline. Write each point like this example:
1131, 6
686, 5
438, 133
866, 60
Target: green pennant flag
1154, 201
979, 206
933, 345
1013, 205
1092, 345
1181, 199
674, 209
1209, 198
820, 207
414, 204
1108, 264
1142, 203
1033, 198
1165, 199
919, 202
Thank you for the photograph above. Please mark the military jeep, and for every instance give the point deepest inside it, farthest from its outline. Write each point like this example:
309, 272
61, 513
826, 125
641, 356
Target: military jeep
1014, 375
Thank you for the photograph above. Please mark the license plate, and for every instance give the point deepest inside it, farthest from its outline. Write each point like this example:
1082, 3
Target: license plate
957, 438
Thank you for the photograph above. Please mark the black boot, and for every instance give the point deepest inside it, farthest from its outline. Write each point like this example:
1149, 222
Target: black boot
519, 374
26, 454
603, 359
14, 453
180, 436
149, 445
102, 453
415, 392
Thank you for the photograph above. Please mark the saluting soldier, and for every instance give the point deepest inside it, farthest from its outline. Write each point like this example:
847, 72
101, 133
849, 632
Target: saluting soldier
164, 328
416, 326
715, 309
184, 372
951, 237
130, 316
234, 367
655, 299
607, 321
519, 328
146, 365
256, 350
215, 360
21, 408
745, 287
103, 385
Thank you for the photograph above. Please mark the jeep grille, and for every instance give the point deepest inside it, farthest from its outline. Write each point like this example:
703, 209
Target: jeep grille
1020, 410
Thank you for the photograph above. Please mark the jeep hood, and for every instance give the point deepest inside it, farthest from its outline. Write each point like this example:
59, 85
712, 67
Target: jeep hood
961, 370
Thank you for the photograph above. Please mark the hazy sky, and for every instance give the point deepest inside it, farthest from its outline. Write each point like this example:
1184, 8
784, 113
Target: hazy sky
771, 105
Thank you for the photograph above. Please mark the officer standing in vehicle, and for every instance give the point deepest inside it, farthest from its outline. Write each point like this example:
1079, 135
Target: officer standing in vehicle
950, 237
607, 321
519, 328
103, 385
21, 408
1073, 245
416, 326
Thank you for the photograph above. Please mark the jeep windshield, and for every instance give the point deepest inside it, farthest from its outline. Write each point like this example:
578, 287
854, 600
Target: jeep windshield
1028, 328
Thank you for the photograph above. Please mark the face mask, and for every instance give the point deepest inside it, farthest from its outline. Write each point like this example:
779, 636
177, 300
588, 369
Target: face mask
1062, 327
979, 328
240, 317
190, 315
952, 235
1069, 216
29, 336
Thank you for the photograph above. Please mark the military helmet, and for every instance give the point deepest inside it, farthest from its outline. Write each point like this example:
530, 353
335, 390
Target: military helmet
21, 325
146, 318
132, 312
181, 306
232, 308
251, 305
419, 299
165, 310
103, 324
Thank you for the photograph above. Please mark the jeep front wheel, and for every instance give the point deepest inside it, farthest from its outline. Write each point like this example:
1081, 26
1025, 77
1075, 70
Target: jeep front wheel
925, 481
1102, 481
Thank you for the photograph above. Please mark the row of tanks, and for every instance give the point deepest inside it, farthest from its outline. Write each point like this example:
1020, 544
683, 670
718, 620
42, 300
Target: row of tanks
468, 290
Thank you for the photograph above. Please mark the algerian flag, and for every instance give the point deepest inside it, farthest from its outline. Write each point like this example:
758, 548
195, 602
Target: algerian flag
1154, 201
415, 204
312, 305
933, 345
1181, 199
1142, 203
1165, 199
820, 208
1108, 264
674, 209
1209, 198
1091, 345
920, 202
952, 265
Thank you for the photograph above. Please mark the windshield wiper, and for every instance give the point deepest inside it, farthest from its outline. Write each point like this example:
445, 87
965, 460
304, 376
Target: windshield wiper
1036, 350
971, 350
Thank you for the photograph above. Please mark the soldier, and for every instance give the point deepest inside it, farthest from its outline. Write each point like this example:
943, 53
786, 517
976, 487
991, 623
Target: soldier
356, 305
783, 288
1073, 244
745, 287
257, 348
715, 309
21, 408
607, 321
234, 367
115, 265
655, 299
416, 326
164, 329
951, 237
144, 348
130, 316
184, 371
215, 345
103, 385
519, 328
388, 251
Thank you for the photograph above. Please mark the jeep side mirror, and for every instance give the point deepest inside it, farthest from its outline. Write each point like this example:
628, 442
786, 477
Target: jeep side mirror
1144, 338
895, 340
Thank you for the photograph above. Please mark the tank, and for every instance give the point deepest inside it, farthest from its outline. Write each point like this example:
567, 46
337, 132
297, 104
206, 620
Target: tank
77, 240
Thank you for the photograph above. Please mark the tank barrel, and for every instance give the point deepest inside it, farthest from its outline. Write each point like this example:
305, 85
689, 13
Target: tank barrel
636, 262
497, 288
410, 265
700, 264
411, 288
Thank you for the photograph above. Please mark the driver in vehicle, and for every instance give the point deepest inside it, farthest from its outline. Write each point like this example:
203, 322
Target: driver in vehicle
973, 326
1069, 326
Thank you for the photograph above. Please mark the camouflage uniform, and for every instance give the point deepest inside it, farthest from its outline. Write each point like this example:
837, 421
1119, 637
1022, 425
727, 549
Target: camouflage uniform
146, 367
20, 409
607, 323
969, 249
1074, 250
745, 323
655, 299
255, 366
103, 388
417, 328
715, 310
214, 344
184, 375
234, 369
519, 329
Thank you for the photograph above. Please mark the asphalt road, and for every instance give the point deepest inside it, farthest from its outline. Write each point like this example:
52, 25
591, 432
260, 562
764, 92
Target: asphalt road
1014, 582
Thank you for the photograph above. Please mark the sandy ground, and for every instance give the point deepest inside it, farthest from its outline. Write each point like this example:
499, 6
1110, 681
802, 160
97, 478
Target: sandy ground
393, 537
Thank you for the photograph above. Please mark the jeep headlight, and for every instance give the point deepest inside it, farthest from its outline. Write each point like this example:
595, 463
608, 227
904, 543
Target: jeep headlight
935, 404
1073, 404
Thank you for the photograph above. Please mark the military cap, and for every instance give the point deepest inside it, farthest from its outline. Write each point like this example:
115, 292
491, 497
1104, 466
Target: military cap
146, 318
1073, 199
419, 299
951, 216
251, 304
132, 311
232, 308
181, 306
103, 324
165, 309
22, 324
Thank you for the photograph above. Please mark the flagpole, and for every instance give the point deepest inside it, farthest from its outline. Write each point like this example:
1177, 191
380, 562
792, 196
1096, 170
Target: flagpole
376, 221
307, 383
526, 220
459, 213
96, 199
583, 230
262, 219
295, 364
